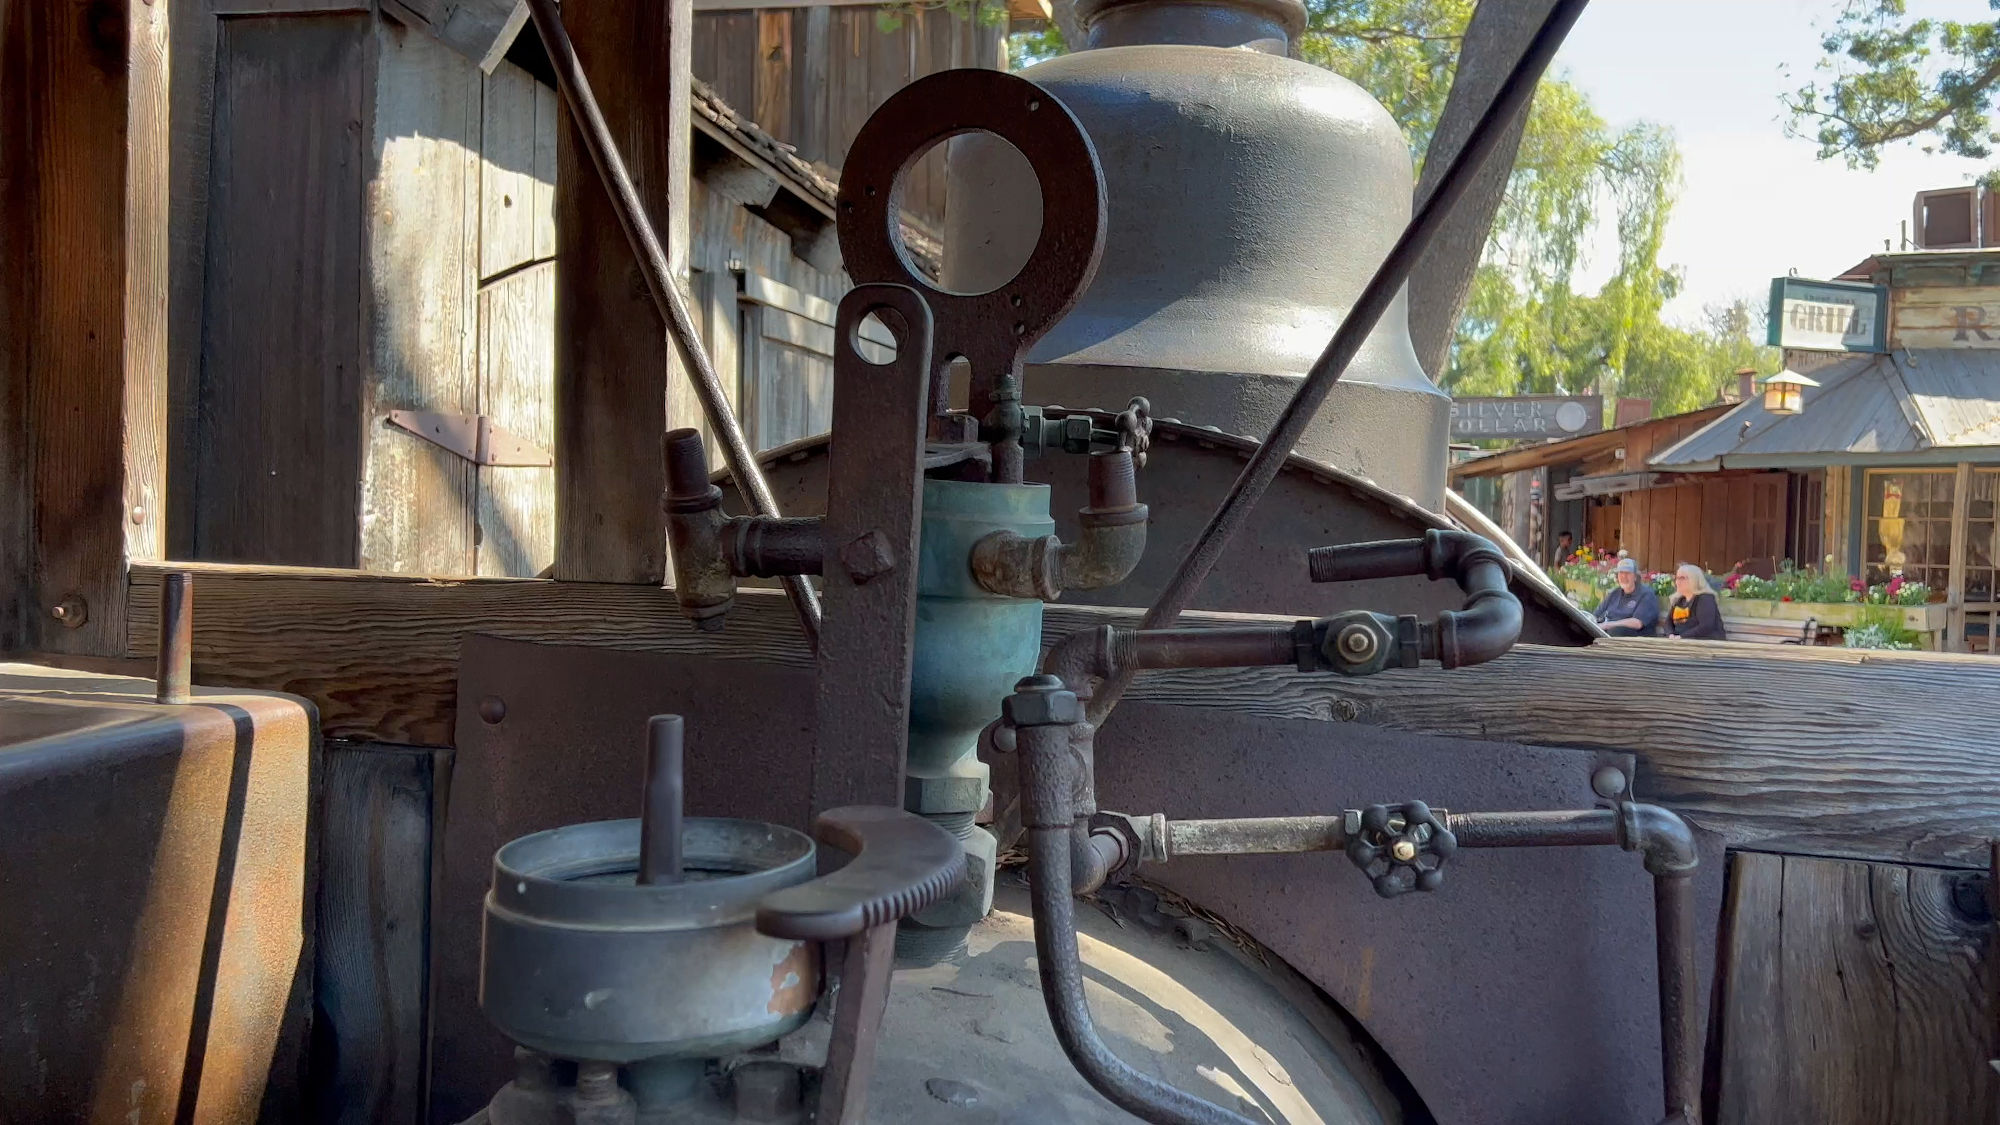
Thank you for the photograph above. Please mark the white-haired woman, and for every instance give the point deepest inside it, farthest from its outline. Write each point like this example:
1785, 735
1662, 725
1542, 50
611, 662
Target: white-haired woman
1694, 614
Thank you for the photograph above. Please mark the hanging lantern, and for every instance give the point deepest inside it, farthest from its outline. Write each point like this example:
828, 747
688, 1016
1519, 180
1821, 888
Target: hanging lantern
1785, 392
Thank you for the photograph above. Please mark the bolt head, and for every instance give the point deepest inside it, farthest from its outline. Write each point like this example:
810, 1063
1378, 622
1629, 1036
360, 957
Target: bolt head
868, 556
72, 611
1608, 782
1358, 642
1403, 850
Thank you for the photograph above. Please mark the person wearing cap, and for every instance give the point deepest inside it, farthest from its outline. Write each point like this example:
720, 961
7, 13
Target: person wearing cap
1631, 608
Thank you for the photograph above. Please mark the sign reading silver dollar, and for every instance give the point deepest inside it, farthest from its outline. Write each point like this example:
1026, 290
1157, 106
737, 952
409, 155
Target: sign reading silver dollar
1527, 416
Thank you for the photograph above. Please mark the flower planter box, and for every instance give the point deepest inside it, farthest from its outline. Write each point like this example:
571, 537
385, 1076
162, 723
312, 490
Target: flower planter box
1916, 618
1582, 591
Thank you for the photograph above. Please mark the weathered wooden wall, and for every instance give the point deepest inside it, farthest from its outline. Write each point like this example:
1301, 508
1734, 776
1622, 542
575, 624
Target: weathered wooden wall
1713, 522
1855, 994
1954, 316
811, 76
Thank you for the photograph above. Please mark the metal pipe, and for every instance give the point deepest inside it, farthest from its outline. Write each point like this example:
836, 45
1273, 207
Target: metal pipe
1062, 989
673, 308
762, 547
1564, 829
1109, 544
660, 815
1260, 835
173, 664
1354, 330
703, 585
1680, 1034
1239, 646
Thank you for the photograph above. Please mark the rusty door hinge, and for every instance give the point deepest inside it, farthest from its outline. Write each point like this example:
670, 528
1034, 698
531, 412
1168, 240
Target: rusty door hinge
471, 436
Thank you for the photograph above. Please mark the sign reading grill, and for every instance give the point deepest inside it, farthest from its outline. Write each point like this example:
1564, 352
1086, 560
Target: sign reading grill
1527, 416
1828, 316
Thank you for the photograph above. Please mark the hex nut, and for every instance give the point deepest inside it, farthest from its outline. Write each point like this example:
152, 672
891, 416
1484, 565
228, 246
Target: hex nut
1041, 701
929, 795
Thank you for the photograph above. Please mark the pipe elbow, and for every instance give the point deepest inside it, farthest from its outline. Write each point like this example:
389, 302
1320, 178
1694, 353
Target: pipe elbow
1087, 655
1662, 836
1486, 628
1107, 549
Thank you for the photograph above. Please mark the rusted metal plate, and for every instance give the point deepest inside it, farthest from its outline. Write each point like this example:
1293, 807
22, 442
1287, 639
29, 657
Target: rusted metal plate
1520, 993
867, 644
156, 870
568, 743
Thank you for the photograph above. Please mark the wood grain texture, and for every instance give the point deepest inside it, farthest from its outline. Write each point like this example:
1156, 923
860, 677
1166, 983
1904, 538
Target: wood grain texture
192, 105
423, 235
284, 289
516, 517
1804, 749
372, 961
613, 374
1854, 996
85, 84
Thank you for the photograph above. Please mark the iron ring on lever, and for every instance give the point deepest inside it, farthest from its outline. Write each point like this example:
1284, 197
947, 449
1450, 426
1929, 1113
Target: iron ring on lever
992, 331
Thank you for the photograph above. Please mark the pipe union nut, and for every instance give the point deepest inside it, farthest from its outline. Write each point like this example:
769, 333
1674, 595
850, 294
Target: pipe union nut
1041, 701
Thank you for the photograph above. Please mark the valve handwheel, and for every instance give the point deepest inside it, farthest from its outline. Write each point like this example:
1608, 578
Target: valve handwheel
1402, 848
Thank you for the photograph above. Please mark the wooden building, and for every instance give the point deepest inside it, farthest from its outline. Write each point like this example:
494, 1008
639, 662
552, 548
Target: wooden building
1903, 447
361, 199
1606, 491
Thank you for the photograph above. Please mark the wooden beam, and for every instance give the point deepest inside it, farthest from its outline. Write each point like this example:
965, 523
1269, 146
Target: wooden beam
83, 194
1961, 517
1803, 749
618, 388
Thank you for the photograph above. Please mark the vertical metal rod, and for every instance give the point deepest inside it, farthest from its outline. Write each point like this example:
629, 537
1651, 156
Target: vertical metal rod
1680, 1034
660, 816
173, 667
1354, 330
673, 308
857, 1025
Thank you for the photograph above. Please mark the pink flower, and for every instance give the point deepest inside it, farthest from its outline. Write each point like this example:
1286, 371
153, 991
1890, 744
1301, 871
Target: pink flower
1856, 585
1895, 584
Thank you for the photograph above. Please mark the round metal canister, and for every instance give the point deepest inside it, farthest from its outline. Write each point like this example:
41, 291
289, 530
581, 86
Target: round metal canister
1251, 196
971, 646
579, 961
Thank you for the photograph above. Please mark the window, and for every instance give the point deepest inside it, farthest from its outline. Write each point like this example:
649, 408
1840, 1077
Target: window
1907, 526
1981, 547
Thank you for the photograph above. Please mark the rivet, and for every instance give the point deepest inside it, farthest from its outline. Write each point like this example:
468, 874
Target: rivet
492, 709
1608, 782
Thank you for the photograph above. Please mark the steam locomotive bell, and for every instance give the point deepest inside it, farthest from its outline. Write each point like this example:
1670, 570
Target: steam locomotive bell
1250, 197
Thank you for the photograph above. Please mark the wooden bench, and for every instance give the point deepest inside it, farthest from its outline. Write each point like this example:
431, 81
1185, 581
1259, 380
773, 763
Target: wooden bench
1771, 630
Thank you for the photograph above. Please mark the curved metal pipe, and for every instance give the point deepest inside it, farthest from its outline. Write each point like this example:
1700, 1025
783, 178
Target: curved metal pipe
1106, 550
1489, 624
1069, 1012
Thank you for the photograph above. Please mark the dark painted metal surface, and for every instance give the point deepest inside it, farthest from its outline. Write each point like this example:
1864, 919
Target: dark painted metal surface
562, 751
156, 870
874, 507
1491, 993
992, 330
902, 863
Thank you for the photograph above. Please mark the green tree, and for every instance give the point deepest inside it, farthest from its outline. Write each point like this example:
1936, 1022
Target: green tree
1887, 77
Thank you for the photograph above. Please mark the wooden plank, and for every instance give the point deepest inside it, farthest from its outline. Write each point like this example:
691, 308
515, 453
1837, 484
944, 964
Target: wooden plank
417, 499
83, 190
277, 429
285, 7
372, 961
193, 35
772, 105
1839, 501
548, 108
614, 382
736, 63
508, 181
849, 98
1832, 765
812, 30
517, 504
1854, 996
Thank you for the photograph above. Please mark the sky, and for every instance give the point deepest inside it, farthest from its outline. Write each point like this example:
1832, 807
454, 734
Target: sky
1755, 203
